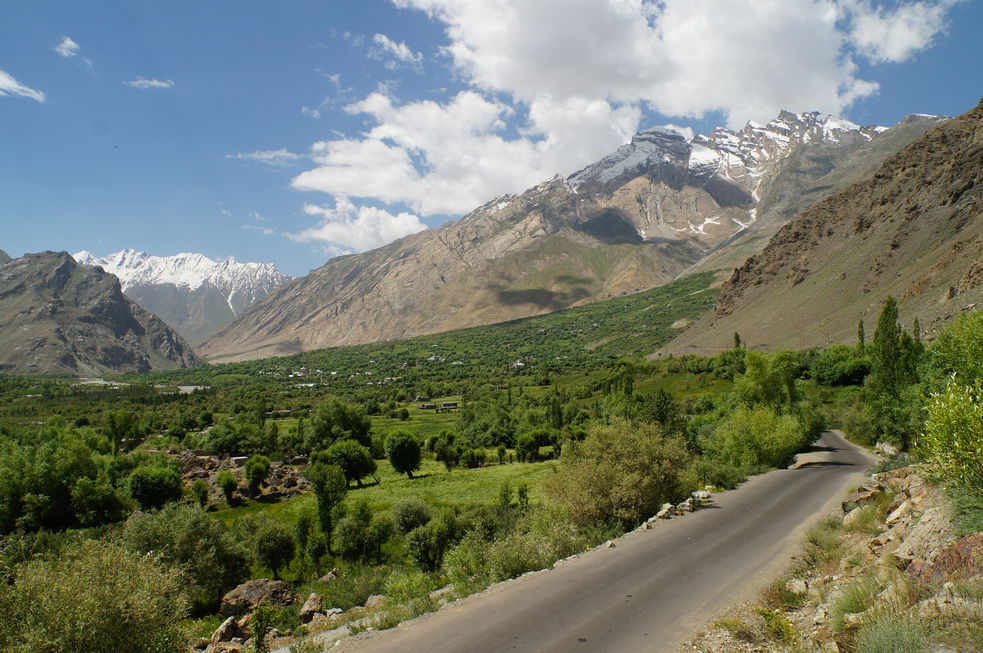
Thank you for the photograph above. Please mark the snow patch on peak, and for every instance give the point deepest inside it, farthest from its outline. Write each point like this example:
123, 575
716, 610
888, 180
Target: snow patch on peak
188, 271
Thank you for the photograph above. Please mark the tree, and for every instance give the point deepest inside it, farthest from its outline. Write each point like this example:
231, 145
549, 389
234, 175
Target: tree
329, 486
119, 425
334, 421
257, 469
895, 356
200, 491
861, 338
226, 481
152, 487
354, 460
275, 547
403, 452
187, 537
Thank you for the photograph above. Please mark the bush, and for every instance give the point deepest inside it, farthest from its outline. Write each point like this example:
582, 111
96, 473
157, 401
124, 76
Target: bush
953, 432
410, 512
756, 437
152, 487
620, 473
193, 541
256, 470
891, 633
94, 597
226, 481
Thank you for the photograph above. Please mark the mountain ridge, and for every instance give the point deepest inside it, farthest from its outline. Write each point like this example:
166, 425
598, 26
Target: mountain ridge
913, 230
59, 317
634, 220
189, 291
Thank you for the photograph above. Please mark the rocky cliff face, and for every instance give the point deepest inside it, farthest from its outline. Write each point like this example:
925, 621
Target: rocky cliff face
638, 218
913, 230
57, 317
190, 292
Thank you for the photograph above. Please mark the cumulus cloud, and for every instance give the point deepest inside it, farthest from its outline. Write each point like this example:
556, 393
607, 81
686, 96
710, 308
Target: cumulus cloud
10, 86
347, 228
140, 82
449, 158
745, 58
67, 47
274, 158
896, 34
552, 85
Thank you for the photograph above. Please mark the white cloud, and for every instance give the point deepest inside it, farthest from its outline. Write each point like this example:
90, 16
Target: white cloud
400, 51
266, 231
10, 86
67, 47
140, 82
347, 228
746, 58
555, 84
448, 159
273, 158
886, 35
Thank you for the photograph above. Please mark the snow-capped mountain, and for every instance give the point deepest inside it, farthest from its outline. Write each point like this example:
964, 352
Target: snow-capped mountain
659, 206
191, 292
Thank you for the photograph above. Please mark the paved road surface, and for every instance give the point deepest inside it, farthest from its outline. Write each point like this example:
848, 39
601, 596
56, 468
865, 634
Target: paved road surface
650, 592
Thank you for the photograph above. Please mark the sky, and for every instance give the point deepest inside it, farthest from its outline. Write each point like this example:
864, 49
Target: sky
294, 131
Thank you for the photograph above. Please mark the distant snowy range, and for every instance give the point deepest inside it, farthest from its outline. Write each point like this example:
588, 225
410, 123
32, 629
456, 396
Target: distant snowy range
190, 292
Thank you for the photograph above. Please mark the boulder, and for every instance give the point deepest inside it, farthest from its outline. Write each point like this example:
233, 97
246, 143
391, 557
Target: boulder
865, 493
312, 607
246, 597
225, 632
665, 512
374, 602
797, 586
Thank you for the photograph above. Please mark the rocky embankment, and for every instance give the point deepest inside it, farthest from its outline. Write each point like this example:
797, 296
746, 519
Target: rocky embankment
887, 573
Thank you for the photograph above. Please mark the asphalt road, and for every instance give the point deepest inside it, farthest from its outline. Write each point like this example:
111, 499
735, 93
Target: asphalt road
654, 588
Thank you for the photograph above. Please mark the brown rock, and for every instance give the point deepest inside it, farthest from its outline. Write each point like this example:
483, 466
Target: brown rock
247, 596
861, 495
225, 632
961, 561
312, 607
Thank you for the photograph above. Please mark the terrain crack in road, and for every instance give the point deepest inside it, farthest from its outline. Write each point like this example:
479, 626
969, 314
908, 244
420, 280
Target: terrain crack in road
654, 588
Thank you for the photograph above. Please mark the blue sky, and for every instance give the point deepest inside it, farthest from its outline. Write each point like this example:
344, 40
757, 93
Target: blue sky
290, 132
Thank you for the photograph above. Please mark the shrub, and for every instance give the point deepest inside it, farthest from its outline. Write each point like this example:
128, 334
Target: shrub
620, 473
891, 633
226, 481
152, 487
755, 437
854, 598
410, 512
953, 432
94, 597
778, 625
193, 541
200, 491
256, 470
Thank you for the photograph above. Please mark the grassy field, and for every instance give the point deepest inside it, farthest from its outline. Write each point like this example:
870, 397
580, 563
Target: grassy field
432, 483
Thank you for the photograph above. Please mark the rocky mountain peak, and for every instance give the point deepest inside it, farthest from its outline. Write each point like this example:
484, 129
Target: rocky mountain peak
59, 317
